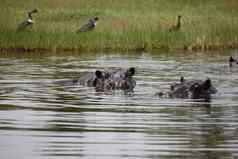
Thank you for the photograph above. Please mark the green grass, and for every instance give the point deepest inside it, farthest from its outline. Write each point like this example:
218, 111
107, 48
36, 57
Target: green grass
123, 25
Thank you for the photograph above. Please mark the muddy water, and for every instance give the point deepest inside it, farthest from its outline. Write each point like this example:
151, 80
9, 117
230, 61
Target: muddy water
42, 119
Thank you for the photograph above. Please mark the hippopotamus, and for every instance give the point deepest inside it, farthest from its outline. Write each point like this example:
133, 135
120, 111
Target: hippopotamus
191, 89
110, 79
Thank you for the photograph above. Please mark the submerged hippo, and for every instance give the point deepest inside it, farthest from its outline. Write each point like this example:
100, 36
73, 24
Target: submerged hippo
110, 79
191, 89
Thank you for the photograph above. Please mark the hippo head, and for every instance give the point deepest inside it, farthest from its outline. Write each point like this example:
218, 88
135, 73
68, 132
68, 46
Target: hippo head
106, 80
202, 90
121, 79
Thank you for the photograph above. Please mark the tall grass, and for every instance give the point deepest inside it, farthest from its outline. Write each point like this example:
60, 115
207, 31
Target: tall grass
123, 25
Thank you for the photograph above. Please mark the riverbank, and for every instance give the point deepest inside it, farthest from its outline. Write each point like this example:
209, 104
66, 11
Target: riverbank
123, 25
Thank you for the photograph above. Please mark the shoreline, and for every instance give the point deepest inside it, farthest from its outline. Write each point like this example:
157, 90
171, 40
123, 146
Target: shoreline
134, 25
117, 49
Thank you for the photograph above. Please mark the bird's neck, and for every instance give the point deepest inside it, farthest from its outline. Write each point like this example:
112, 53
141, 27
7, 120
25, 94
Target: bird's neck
178, 23
30, 16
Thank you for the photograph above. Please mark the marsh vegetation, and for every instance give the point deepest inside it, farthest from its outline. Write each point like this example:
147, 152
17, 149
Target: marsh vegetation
123, 25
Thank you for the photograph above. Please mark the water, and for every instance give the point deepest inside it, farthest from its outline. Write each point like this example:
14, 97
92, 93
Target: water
40, 119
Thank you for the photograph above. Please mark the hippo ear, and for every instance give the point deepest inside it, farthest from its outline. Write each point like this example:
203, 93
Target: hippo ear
98, 74
131, 71
207, 84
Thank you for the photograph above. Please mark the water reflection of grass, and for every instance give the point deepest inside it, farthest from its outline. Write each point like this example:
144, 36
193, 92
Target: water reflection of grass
123, 25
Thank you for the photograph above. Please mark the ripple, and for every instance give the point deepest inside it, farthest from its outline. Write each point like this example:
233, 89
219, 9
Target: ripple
53, 120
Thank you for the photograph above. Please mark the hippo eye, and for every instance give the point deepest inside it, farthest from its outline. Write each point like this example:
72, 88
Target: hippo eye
194, 86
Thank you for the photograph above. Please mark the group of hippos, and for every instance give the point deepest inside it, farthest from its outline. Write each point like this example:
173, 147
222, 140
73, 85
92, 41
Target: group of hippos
122, 79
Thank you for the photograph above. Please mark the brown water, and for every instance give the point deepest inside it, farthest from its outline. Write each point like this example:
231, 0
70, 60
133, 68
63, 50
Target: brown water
40, 119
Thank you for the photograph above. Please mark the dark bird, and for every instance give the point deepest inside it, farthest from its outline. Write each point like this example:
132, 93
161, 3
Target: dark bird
28, 22
177, 26
89, 26
232, 61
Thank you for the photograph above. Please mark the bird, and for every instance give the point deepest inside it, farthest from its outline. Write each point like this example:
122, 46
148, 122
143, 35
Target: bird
28, 22
232, 61
89, 26
177, 26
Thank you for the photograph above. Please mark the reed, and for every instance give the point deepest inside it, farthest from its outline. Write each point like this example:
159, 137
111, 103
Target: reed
123, 25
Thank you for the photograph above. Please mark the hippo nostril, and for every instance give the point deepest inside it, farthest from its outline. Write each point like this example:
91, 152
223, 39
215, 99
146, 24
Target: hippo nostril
181, 79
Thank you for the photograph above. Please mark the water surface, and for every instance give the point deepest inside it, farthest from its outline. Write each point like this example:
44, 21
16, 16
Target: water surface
42, 119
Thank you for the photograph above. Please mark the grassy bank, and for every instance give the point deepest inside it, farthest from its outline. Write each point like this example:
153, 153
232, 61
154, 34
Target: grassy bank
123, 25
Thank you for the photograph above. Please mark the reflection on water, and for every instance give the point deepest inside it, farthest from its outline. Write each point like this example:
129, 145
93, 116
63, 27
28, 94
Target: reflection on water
42, 119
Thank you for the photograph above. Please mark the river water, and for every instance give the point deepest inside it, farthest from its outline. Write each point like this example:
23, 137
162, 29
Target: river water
42, 119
